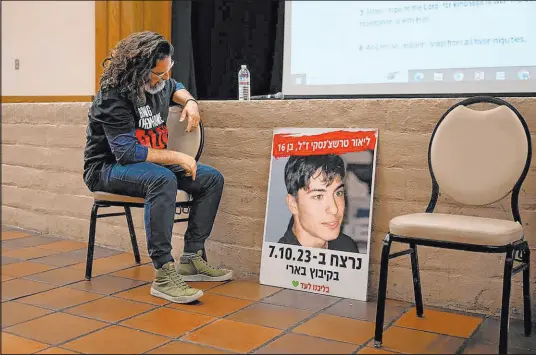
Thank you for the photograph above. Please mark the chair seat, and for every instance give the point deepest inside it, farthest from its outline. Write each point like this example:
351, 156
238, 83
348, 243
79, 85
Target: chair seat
456, 229
182, 196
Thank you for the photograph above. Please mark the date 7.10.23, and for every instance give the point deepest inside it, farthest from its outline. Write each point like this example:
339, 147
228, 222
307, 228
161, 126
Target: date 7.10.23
306, 256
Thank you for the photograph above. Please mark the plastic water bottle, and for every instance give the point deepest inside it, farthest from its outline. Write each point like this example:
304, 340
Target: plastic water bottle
244, 83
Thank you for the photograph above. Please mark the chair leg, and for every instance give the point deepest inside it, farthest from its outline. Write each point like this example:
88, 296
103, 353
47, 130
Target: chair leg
416, 280
133, 239
505, 310
526, 292
382, 291
91, 241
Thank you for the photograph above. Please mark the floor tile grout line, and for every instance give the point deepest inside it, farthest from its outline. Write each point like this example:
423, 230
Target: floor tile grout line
31, 259
67, 285
473, 314
235, 297
464, 345
461, 349
108, 324
496, 345
216, 318
191, 331
198, 344
53, 311
172, 339
227, 296
289, 329
410, 308
113, 295
385, 327
55, 346
30, 294
223, 317
41, 246
59, 344
253, 302
159, 346
119, 323
24, 277
101, 296
56, 286
403, 311
430, 332
179, 338
109, 273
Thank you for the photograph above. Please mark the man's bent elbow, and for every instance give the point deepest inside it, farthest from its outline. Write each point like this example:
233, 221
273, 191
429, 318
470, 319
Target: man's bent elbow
137, 154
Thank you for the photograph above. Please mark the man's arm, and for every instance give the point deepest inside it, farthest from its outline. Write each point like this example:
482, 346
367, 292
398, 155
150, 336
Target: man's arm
127, 150
190, 109
119, 127
180, 96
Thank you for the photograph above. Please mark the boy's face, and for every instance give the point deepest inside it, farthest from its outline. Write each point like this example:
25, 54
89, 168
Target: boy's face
319, 209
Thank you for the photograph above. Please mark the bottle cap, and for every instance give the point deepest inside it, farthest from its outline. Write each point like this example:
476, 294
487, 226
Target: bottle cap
243, 66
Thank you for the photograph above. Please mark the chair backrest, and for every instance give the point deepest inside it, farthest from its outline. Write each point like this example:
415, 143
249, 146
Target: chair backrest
477, 157
190, 143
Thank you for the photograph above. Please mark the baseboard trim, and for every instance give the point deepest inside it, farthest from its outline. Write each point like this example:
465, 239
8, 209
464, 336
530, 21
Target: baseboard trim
28, 99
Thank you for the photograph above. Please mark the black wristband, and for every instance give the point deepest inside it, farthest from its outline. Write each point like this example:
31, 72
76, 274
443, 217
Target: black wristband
194, 100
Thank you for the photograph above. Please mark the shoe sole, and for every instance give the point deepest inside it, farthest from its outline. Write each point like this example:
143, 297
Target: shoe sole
177, 299
201, 277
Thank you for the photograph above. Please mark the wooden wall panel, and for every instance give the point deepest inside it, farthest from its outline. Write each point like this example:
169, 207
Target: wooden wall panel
157, 17
101, 37
115, 20
131, 17
114, 23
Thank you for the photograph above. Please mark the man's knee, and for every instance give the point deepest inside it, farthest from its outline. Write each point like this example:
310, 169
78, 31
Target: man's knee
165, 180
217, 178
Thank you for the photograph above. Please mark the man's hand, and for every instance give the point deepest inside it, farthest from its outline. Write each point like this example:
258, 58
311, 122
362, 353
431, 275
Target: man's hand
191, 110
189, 164
170, 157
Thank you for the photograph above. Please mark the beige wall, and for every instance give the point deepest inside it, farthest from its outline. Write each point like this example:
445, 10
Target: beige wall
42, 187
55, 44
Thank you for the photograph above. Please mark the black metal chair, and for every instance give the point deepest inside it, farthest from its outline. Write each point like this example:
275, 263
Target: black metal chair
190, 143
477, 157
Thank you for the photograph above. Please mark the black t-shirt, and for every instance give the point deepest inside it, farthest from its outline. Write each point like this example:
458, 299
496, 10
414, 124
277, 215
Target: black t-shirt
342, 243
120, 131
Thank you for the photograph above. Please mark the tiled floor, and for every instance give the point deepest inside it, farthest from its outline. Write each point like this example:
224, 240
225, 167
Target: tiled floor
48, 307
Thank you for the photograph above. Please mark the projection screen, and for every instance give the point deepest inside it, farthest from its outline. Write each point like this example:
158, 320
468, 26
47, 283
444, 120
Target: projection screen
409, 47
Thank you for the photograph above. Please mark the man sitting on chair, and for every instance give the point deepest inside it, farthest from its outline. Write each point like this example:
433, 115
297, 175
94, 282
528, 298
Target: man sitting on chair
126, 154
315, 197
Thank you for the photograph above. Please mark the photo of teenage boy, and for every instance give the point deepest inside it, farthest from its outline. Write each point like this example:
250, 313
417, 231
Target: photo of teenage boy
316, 199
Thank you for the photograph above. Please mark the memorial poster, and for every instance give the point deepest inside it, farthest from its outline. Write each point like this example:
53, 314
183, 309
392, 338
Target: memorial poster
319, 211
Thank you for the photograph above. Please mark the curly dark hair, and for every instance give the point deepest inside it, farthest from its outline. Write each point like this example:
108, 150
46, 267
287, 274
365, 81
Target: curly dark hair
131, 60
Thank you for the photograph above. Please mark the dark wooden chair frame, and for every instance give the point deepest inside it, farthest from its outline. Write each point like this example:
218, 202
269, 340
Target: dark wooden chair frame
181, 207
518, 251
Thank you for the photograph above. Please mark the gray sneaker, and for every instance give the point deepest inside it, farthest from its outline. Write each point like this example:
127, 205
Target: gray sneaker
197, 269
169, 285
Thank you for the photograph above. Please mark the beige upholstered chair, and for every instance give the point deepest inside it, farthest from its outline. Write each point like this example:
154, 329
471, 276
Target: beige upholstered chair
190, 143
476, 157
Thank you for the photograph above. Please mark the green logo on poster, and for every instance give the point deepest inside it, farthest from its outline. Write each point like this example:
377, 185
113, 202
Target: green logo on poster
295, 283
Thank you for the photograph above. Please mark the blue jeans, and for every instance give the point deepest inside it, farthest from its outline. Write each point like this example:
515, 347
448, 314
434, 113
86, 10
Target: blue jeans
158, 185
